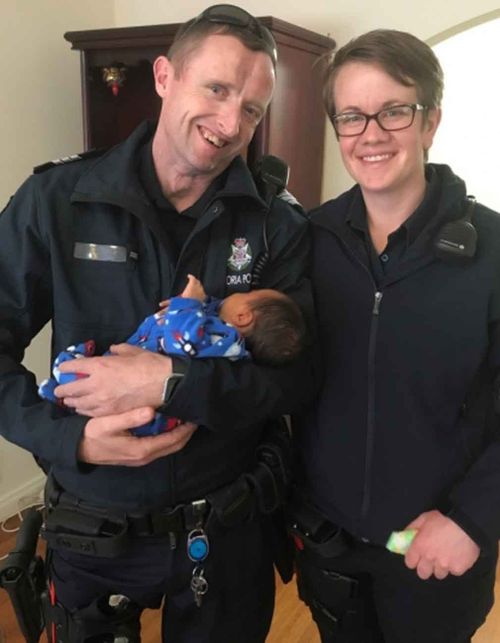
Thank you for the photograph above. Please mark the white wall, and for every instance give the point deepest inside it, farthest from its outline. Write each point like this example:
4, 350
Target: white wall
469, 133
40, 97
40, 120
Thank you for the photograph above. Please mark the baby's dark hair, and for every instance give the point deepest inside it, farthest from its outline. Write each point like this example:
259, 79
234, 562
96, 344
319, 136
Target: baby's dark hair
279, 331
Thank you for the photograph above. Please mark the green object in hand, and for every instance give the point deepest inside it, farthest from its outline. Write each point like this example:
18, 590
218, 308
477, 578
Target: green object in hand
400, 541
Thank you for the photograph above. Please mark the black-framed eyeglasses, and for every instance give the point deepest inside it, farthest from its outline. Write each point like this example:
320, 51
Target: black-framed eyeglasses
230, 14
390, 119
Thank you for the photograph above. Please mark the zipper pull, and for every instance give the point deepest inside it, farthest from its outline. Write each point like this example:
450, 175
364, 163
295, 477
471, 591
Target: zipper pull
376, 305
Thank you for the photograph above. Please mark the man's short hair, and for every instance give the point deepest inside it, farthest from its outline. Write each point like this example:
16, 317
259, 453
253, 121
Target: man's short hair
404, 57
192, 33
279, 331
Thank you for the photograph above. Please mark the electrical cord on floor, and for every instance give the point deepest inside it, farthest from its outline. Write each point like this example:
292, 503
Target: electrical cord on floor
19, 516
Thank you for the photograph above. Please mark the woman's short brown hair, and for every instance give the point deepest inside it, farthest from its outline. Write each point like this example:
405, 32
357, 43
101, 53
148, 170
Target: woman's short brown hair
404, 57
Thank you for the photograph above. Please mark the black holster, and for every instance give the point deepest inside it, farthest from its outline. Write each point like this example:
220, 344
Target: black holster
275, 456
333, 597
313, 532
81, 527
22, 575
334, 601
263, 491
94, 622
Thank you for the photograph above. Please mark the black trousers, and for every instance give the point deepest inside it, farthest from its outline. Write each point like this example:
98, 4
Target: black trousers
390, 603
239, 603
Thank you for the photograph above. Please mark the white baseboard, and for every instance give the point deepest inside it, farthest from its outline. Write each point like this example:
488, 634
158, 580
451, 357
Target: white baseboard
9, 503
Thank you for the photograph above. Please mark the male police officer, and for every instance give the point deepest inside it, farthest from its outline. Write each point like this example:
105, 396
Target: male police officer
93, 245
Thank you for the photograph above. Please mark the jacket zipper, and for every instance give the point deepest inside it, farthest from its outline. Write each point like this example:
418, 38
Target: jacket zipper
370, 436
370, 421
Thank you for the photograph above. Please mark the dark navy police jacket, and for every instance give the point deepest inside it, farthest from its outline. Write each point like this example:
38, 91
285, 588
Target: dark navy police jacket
45, 276
405, 420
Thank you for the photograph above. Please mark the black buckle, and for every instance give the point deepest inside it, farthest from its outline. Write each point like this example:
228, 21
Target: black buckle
195, 513
161, 523
165, 523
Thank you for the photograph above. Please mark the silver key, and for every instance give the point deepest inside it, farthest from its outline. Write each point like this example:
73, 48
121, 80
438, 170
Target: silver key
199, 585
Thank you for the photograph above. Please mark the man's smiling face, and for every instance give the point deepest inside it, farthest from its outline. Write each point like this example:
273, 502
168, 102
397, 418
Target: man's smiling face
212, 103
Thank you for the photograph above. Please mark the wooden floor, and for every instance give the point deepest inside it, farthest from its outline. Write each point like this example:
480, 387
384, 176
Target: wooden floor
291, 623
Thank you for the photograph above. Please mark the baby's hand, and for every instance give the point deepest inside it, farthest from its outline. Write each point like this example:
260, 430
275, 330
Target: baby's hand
163, 307
194, 289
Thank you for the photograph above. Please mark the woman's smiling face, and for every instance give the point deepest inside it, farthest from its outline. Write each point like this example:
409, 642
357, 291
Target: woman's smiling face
381, 161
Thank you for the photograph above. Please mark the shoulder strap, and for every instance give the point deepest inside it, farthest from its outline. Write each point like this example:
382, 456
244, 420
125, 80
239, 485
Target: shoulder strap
68, 159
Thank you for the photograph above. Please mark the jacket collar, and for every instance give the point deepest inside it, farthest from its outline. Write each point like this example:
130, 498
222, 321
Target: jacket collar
333, 214
449, 205
114, 179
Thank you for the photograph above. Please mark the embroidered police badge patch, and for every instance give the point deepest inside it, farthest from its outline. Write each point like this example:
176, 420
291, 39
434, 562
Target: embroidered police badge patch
241, 255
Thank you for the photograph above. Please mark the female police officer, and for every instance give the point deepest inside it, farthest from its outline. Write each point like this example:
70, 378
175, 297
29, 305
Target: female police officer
403, 435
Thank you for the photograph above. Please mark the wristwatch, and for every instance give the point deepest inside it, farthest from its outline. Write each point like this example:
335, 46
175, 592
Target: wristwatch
172, 381
169, 386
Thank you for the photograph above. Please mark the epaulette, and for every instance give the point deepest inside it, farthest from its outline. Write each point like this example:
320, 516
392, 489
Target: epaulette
289, 198
69, 159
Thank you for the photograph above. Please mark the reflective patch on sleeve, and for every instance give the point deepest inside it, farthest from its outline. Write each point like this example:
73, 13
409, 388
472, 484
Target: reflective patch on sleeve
101, 252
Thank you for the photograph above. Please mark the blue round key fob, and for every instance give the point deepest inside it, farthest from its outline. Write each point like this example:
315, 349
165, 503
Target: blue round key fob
197, 545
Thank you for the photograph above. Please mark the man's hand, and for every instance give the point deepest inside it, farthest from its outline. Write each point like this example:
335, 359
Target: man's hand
107, 440
127, 379
440, 547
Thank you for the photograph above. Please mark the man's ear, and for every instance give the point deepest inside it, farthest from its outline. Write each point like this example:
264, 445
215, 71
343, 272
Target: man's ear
163, 71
